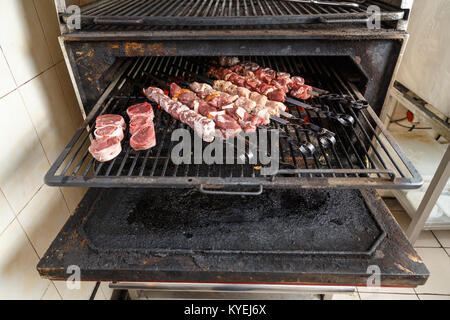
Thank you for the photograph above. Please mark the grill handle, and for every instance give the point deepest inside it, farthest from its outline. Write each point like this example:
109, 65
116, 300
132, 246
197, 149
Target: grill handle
232, 193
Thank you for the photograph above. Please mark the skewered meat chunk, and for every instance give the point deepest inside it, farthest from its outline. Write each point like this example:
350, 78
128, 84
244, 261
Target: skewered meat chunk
281, 82
258, 98
228, 61
277, 95
204, 127
105, 149
110, 119
220, 107
109, 132
248, 100
142, 109
301, 92
228, 126
144, 138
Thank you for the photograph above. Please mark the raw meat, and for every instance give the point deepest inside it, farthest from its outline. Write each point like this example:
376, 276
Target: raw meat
109, 131
110, 119
105, 149
139, 122
204, 127
142, 109
144, 138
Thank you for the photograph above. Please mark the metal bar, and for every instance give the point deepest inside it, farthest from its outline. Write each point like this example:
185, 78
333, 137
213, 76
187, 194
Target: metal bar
233, 21
231, 288
430, 198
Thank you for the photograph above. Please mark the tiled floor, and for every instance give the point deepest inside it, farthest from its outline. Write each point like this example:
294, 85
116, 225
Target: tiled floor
434, 248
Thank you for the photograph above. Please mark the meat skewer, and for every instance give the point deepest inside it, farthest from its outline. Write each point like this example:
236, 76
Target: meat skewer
226, 124
252, 84
242, 109
203, 90
325, 137
252, 102
294, 85
223, 113
344, 119
203, 126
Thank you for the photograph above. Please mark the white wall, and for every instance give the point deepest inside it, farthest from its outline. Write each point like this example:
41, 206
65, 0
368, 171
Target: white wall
426, 65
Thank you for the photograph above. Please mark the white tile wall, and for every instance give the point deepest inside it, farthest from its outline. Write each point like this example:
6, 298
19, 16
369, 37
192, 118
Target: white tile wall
51, 293
7, 83
18, 260
39, 115
6, 213
43, 217
22, 40
48, 111
23, 163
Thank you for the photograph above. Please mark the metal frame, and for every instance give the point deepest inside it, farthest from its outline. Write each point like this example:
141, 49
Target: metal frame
430, 198
102, 13
419, 218
299, 178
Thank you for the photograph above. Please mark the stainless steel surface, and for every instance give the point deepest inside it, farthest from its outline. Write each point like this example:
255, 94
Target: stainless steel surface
232, 288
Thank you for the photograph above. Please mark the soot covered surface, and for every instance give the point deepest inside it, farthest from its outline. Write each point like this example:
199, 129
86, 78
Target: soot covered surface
278, 220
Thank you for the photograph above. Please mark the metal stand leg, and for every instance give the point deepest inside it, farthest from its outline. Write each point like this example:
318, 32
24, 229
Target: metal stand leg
435, 189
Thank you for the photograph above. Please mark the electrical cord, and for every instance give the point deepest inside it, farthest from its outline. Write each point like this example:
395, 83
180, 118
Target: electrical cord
411, 128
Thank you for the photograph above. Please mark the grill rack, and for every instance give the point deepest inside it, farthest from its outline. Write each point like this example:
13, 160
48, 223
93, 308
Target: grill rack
230, 13
364, 156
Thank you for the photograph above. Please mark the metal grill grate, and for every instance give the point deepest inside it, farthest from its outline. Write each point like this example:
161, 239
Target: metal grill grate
365, 155
259, 13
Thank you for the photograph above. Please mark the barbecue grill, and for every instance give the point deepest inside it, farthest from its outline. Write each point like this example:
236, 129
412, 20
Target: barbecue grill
149, 219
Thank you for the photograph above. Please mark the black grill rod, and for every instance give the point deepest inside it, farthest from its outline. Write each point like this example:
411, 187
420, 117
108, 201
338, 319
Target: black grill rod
356, 154
334, 126
324, 136
324, 153
316, 162
375, 135
364, 131
354, 132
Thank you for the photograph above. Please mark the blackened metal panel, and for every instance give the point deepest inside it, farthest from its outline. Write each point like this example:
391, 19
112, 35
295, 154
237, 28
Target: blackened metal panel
104, 256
